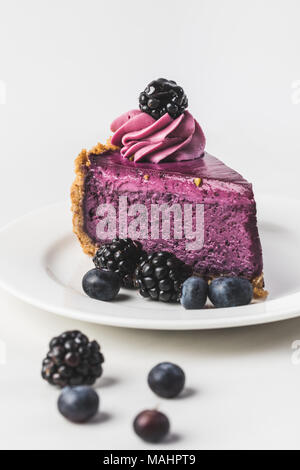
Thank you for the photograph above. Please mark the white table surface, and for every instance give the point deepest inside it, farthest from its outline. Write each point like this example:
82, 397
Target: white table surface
60, 64
242, 388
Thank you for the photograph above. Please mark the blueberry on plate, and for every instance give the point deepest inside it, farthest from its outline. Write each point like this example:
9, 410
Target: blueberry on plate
78, 404
151, 425
230, 292
101, 285
194, 293
166, 380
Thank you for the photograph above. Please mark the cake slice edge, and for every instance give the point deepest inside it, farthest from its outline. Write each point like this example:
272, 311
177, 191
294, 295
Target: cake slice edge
89, 247
82, 163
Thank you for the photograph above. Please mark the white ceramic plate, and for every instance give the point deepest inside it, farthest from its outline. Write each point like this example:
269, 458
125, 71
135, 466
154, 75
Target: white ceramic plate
42, 263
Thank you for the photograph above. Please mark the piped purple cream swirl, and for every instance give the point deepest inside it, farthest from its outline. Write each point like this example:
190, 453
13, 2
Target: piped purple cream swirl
148, 140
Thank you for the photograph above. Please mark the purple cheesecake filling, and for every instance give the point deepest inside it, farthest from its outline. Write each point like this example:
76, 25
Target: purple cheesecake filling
231, 244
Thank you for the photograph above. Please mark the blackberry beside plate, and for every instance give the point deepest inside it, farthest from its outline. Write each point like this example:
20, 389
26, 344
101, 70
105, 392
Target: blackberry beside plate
72, 360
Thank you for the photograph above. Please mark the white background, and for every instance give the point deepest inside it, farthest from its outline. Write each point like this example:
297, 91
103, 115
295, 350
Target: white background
69, 68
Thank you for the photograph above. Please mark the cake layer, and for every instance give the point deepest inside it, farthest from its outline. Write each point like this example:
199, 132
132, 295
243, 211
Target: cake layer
211, 201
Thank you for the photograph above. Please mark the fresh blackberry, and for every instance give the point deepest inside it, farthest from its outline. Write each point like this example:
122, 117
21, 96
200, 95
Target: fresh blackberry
160, 277
163, 96
121, 256
72, 360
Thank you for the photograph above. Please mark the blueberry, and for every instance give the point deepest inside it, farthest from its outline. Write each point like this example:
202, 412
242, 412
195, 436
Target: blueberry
194, 293
166, 380
101, 285
230, 292
78, 404
151, 425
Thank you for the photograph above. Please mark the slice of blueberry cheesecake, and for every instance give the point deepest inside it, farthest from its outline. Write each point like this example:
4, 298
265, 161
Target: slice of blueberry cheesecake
154, 182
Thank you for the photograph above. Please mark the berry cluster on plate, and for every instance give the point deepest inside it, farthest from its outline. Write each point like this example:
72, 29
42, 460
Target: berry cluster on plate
159, 276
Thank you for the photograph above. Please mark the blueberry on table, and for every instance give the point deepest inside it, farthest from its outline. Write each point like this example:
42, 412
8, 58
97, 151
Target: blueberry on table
78, 404
151, 425
194, 293
230, 292
101, 285
166, 380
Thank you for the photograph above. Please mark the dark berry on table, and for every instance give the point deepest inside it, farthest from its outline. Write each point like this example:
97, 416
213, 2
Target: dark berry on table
78, 404
230, 292
166, 380
163, 96
151, 425
101, 285
120, 256
72, 360
160, 277
194, 293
